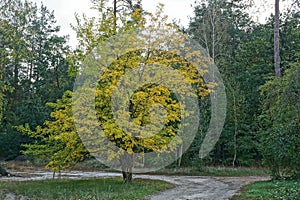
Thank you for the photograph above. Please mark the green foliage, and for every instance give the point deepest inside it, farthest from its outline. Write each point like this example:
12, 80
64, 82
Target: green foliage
255, 68
219, 26
243, 51
269, 190
222, 28
280, 125
33, 69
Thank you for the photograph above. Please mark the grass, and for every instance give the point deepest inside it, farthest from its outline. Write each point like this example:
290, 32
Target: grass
187, 171
94, 165
268, 190
106, 188
214, 171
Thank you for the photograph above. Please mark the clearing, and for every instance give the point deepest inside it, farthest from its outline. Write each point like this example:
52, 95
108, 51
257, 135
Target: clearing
186, 187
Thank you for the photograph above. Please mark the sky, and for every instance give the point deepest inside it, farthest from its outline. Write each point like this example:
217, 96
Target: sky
64, 11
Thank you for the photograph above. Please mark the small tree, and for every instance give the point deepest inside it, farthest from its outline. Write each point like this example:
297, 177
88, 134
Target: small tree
57, 141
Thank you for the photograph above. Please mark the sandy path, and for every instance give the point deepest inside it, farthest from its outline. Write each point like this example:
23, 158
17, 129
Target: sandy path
196, 187
186, 187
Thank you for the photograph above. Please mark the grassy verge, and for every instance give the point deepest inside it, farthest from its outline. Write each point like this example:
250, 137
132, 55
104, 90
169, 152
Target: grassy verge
284, 189
214, 171
187, 171
94, 165
110, 188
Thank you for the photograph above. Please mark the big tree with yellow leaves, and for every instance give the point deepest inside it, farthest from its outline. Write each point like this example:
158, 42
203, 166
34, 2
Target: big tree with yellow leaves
155, 112
137, 113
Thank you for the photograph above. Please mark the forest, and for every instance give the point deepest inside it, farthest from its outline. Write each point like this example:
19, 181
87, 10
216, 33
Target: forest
259, 64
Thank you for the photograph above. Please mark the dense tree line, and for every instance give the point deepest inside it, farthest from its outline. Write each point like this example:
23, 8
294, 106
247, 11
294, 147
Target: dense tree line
263, 111
243, 51
34, 70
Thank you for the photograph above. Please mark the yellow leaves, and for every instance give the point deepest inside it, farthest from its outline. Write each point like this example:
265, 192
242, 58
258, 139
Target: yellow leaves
145, 98
60, 144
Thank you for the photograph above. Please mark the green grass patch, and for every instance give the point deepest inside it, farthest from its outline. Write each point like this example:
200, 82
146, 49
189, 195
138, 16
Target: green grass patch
105, 188
94, 165
268, 190
214, 171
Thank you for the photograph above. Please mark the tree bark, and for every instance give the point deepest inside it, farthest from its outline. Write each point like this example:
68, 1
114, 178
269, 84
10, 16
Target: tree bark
276, 41
235, 130
126, 164
115, 16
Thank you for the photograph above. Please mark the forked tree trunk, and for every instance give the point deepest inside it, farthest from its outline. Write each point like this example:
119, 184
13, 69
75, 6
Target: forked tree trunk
126, 164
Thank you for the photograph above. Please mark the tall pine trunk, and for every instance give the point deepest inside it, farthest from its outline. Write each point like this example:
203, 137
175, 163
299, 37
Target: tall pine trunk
276, 40
115, 16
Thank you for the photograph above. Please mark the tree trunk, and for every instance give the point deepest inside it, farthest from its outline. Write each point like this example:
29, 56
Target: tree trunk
180, 155
235, 130
126, 164
3, 172
276, 40
115, 16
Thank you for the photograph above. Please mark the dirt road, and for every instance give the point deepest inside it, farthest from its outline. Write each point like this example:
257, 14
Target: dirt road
186, 187
196, 187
